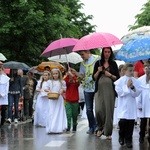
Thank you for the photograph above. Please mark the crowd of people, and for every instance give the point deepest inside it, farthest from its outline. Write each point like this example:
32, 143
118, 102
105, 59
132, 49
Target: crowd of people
123, 90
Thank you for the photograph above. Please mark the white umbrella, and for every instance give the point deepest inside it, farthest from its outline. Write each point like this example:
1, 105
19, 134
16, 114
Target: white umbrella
145, 30
72, 57
2, 57
136, 34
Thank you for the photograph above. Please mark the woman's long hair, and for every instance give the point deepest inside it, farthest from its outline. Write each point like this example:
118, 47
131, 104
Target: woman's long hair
111, 58
147, 71
60, 77
49, 75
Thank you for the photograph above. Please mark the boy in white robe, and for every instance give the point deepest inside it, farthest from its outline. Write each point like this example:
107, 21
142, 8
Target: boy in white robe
4, 86
143, 101
127, 88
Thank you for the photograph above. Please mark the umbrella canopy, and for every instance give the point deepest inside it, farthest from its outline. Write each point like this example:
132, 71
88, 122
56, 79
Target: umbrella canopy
61, 46
72, 57
16, 65
34, 70
135, 50
97, 40
2, 57
136, 34
51, 65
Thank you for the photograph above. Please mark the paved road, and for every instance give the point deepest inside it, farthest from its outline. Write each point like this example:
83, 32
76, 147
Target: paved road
25, 136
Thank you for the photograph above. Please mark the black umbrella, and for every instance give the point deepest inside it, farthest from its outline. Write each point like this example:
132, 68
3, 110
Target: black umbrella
16, 65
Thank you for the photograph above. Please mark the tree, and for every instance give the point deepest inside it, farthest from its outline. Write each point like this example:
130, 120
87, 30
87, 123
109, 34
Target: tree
142, 19
29, 26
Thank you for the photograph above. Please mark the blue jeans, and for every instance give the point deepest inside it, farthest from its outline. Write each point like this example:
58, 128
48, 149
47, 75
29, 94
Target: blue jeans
13, 98
89, 100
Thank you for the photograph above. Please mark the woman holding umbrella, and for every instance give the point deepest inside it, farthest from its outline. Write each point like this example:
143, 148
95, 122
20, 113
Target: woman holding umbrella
105, 73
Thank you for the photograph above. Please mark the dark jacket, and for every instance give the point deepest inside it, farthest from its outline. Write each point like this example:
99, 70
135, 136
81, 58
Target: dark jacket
113, 70
35, 84
16, 85
26, 84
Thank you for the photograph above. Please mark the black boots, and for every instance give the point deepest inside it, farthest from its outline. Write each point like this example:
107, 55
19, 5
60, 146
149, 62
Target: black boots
74, 129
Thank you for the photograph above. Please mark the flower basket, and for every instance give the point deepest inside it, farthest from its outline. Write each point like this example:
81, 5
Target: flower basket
54, 96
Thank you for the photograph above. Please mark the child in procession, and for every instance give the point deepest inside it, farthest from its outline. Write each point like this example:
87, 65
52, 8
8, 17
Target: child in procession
143, 101
56, 118
42, 108
115, 118
4, 86
72, 98
81, 98
127, 88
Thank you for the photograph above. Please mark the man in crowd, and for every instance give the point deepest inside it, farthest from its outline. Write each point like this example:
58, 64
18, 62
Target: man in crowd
85, 73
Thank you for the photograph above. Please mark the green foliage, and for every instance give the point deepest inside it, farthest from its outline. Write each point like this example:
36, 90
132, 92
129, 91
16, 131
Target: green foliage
29, 26
142, 19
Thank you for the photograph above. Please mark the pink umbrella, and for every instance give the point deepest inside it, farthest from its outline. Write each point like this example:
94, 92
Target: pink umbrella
97, 40
61, 46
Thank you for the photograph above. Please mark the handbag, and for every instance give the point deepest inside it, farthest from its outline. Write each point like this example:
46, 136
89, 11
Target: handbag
53, 96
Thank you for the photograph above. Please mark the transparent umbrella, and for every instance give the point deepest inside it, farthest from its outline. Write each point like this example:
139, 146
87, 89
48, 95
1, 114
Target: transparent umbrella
16, 65
136, 34
72, 57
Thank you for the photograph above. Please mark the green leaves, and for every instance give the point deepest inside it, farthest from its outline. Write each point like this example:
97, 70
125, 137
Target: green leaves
28, 27
142, 19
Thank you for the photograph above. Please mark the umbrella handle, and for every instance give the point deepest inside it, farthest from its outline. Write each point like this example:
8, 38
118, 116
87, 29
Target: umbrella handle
67, 61
100, 58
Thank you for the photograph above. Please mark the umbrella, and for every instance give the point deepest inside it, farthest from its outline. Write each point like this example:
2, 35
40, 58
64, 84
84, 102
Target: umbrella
135, 50
61, 46
72, 57
34, 70
97, 40
16, 65
136, 33
2, 57
50, 64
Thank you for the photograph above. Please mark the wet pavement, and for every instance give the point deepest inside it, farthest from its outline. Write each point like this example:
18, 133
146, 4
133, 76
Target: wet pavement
25, 136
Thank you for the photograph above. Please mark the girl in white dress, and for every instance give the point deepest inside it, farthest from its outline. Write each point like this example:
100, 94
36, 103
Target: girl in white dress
42, 107
56, 118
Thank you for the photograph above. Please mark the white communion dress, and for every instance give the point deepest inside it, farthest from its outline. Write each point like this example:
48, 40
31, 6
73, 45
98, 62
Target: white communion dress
41, 108
4, 86
56, 118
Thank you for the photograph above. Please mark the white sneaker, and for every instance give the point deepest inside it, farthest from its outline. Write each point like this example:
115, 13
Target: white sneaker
16, 120
9, 120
